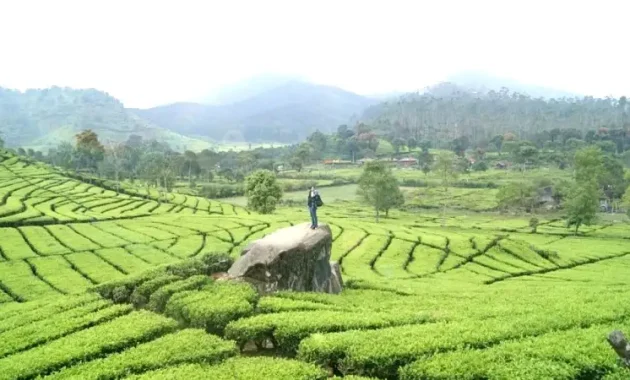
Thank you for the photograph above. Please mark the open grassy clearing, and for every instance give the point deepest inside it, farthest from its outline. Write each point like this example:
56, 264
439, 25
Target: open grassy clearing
465, 296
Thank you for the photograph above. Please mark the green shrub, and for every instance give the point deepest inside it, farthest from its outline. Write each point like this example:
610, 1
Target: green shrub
86, 344
288, 329
141, 294
122, 290
254, 368
185, 346
214, 306
158, 300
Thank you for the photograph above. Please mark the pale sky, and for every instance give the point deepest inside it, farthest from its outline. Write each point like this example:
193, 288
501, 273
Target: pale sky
148, 53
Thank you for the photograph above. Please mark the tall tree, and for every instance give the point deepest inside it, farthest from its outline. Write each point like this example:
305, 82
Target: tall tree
582, 204
114, 157
446, 167
263, 191
89, 150
191, 166
379, 188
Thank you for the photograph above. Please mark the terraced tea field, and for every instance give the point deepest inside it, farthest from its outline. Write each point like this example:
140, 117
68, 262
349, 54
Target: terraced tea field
100, 285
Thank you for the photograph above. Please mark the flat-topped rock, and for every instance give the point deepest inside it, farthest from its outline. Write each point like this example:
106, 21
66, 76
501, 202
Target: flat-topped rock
294, 258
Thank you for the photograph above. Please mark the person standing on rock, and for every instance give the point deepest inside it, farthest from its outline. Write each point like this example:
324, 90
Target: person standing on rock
314, 201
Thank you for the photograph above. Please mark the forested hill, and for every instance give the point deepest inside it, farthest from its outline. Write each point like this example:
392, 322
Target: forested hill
447, 111
288, 112
43, 118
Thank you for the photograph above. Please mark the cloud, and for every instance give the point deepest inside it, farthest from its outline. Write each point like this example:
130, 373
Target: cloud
154, 52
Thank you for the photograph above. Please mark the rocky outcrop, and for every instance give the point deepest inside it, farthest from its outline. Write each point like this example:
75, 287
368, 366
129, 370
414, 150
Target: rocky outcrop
295, 258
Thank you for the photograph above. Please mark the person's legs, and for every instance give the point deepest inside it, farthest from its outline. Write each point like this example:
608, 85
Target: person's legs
314, 217
312, 212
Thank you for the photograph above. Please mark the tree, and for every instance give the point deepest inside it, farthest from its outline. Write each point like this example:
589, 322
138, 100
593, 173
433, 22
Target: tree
517, 195
588, 163
582, 204
412, 143
533, 224
114, 156
460, 144
398, 143
425, 160
191, 166
445, 166
300, 156
263, 191
480, 166
611, 178
63, 156
497, 141
89, 150
379, 188
318, 141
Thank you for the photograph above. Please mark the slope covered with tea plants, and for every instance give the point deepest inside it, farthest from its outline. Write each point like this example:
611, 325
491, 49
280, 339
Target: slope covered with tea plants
96, 284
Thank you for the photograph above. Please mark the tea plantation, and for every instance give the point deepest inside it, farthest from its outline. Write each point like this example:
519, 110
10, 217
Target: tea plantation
96, 284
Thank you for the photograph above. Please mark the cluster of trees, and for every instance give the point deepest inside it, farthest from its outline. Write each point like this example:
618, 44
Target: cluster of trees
447, 111
598, 182
378, 187
153, 162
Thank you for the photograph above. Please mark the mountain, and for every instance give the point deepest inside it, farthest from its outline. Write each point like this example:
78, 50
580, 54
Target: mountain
43, 118
287, 112
447, 111
247, 88
480, 81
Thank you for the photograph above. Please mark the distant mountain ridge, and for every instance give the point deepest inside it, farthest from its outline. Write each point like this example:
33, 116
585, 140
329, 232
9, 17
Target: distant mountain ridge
271, 108
286, 113
483, 82
43, 118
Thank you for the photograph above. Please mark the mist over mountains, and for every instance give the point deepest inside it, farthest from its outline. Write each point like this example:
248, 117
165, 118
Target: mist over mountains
285, 112
266, 108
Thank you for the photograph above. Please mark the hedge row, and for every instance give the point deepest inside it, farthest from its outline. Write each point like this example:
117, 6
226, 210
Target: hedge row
58, 325
287, 330
381, 352
185, 346
109, 337
214, 306
121, 291
254, 368
564, 355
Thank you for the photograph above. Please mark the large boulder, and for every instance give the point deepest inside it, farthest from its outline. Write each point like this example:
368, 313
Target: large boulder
295, 258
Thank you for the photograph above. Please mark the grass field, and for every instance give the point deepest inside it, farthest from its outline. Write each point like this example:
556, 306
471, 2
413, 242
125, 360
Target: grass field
95, 285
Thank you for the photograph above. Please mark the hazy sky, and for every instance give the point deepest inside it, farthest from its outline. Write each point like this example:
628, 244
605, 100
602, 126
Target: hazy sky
153, 52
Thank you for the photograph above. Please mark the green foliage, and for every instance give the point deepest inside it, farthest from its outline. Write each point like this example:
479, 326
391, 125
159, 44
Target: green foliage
214, 306
480, 166
533, 223
189, 345
582, 204
588, 163
378, 188
243, 368
425, 160
385, 148
517, 195
58, 325
85, 344
43, 118
445, 166
61, 235
288, 329
263, 191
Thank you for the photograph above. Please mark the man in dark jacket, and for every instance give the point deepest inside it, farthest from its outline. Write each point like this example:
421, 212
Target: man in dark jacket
314, 201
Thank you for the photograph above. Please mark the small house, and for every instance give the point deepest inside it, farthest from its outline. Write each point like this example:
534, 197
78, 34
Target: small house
407, 162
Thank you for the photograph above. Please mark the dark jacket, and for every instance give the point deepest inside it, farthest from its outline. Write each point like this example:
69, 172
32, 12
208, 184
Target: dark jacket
315, 201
